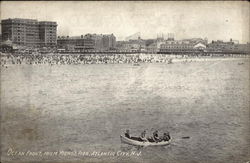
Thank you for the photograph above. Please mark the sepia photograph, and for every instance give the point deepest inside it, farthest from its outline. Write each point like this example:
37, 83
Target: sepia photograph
125, 81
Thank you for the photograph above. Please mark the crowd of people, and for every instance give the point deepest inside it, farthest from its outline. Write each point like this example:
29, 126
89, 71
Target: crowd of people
58, 59
63, 59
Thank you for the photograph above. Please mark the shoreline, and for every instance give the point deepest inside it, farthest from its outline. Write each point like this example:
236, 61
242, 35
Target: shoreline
135, 60
175, 61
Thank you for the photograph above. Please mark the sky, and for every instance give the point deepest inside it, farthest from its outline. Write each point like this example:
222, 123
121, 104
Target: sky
218, 20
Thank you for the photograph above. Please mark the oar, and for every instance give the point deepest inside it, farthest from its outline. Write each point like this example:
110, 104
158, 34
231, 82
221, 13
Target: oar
174, 141
185, 137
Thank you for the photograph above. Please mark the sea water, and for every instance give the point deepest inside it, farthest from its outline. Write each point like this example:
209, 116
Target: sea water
68, 112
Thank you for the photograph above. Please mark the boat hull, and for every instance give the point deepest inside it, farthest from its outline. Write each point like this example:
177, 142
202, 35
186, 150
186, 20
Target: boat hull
139, 143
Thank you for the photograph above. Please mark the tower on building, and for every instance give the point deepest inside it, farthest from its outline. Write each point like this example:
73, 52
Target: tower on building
170, 36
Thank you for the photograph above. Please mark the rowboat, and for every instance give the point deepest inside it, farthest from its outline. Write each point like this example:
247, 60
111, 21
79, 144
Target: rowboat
140, 143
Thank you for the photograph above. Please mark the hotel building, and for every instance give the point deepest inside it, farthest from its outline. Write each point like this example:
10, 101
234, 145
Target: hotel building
47, 33
29, 32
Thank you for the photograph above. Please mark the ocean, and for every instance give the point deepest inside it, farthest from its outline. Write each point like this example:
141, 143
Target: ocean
66, 110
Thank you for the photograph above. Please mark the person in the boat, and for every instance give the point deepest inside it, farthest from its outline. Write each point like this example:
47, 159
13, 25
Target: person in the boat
127, 134
166, 137
156, 136
143, 136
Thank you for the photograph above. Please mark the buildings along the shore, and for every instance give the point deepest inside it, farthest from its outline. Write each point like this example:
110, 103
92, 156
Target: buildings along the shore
88, 42
29, 32
42, 35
